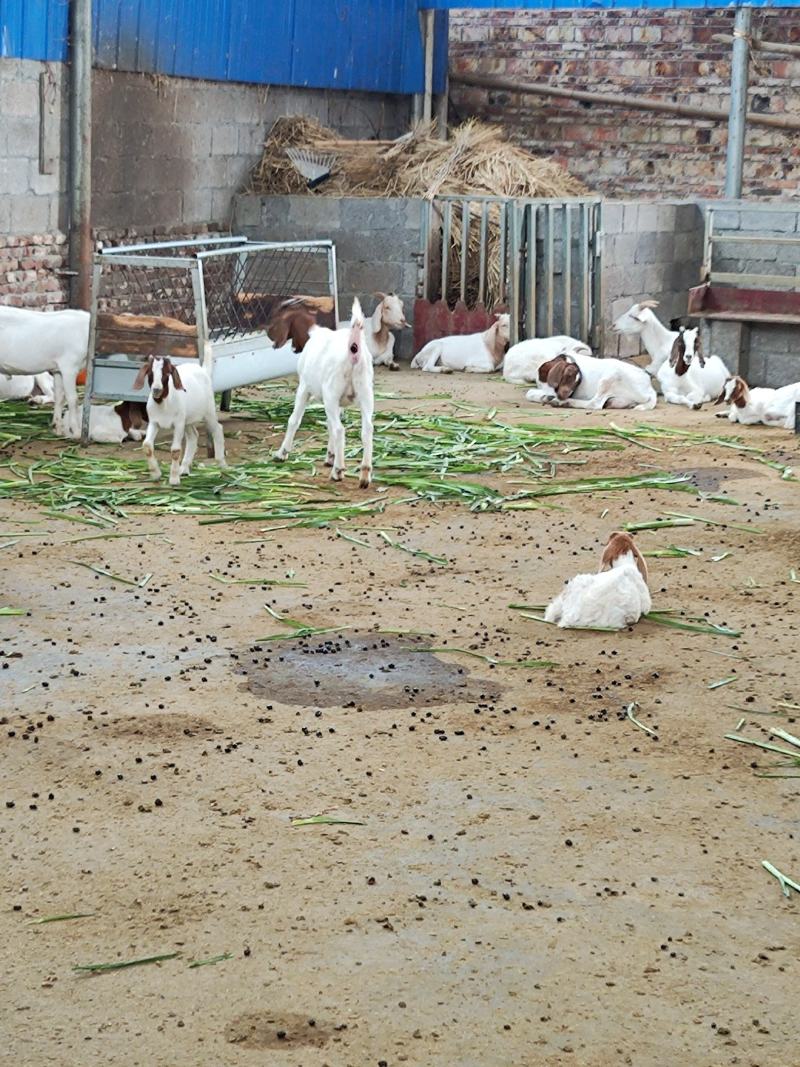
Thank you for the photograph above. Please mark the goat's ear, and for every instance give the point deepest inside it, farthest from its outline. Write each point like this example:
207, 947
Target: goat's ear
144, 372
678, 350
278, 330
176, 378
379, 295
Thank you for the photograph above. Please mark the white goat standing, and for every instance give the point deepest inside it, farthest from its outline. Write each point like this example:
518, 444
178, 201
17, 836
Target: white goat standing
603, 383
478, 353
688, 377
32, 342
179, 401
523, 360
615, 597
639, 321
334, 366
35, 388
772, 407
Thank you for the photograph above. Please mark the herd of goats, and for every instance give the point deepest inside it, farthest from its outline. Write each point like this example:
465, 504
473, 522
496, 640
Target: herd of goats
41, 355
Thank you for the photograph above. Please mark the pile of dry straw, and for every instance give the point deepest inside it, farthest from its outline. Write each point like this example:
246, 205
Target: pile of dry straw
476, 159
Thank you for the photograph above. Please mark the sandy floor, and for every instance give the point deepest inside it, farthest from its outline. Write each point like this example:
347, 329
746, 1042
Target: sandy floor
535, 881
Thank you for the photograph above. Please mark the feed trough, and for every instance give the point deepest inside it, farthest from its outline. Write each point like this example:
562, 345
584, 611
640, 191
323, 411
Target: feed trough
209, 299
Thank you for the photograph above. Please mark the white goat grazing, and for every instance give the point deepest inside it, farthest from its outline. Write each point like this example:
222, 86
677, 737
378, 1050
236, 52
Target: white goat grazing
523, 360
615, 597
639, 321
478, 353
603, 383
32, 342
111, 424
688, 377
179, 400
35, 388
334, 366
772, 407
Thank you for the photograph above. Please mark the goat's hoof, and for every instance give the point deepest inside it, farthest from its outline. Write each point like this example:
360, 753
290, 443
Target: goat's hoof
329, 460
181, 472
696, 407
279, 456
175, 481
337, 474
155, 477
365, 480
394, 366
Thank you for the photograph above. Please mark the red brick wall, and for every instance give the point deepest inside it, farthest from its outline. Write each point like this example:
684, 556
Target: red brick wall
665, 54
29, 264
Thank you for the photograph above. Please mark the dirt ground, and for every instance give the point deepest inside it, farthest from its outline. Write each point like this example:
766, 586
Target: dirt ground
532, 879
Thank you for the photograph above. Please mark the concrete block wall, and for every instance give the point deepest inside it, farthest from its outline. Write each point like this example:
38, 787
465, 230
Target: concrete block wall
376, 240
650, 250
168, 156
764, 354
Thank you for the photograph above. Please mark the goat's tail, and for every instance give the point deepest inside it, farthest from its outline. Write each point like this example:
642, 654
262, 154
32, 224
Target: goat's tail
355, 340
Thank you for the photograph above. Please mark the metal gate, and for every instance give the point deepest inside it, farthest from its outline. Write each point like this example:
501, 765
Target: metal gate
538, 259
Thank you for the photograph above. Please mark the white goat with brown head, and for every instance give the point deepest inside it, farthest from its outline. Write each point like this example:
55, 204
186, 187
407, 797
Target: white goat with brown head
478, 353
335, 367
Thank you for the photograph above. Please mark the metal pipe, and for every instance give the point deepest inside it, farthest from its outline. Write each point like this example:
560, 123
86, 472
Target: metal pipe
428, 37
640, 103
761, 46
80, 153
737, 121
441, 110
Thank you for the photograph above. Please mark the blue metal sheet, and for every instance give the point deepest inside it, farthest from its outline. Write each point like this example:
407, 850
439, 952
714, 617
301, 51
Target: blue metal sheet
532, 5
372, 45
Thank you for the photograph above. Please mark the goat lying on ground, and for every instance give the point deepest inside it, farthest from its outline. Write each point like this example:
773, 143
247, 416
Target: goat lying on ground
111, 424
32, 342
615, 597
178, 401
688, 377
35, 388
379, 339
603, 383
561, 376
640, 321
772, 407
523, 360
478, 353
335, 367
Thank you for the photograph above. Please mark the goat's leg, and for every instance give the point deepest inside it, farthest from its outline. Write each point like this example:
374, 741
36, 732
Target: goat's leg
429, 364
178, 434
540, 396
148, 447
58, 403
189, 451
71, 394
337, 437
366, 442
214, 430
672, 397
300, 401
329, 455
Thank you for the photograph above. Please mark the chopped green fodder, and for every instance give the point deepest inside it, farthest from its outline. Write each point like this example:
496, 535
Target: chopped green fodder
460, 458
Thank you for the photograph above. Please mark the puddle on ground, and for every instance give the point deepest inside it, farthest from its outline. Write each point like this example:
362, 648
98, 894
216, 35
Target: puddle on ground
359, 670
709, 479
273, 1030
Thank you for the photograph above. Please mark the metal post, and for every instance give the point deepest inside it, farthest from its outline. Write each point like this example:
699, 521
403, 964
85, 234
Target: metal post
80, 152
737, 118
428, 38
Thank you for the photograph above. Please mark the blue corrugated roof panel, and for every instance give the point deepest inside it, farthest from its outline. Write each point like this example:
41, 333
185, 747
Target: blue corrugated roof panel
525, 5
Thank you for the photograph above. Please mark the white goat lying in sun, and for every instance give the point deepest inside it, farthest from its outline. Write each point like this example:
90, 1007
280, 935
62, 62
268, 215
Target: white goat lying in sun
478, 353
615, 597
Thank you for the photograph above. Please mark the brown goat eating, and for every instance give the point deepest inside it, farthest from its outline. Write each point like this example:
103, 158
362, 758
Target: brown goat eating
293, 319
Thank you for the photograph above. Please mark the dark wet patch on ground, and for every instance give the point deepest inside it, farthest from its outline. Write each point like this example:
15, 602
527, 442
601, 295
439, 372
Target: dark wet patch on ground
351, 670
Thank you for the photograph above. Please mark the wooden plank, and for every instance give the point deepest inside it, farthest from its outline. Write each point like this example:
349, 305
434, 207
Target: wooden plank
143, 335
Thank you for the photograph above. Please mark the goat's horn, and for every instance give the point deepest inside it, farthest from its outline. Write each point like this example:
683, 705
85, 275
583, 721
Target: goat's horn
648, 303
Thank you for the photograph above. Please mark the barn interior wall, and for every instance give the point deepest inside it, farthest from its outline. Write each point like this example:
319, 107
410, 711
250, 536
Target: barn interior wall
169, 154
666, 54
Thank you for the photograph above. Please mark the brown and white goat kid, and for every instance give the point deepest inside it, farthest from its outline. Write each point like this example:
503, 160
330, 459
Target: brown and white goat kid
335, 366
562, 375
478, 353
178, 401
615, 597
772, 407
688, 377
